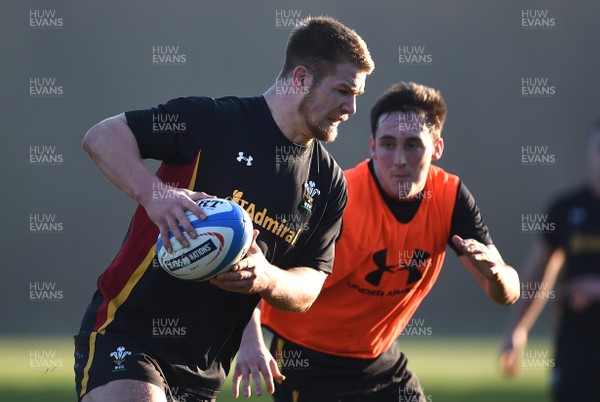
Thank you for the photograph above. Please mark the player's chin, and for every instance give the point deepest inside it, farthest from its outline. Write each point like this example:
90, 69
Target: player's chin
328, 134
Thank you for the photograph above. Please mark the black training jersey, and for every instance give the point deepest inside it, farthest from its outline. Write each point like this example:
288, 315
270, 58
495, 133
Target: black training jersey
232, 148
576, 219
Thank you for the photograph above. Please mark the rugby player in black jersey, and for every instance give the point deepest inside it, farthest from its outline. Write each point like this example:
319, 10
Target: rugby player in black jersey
564, 265
263, 153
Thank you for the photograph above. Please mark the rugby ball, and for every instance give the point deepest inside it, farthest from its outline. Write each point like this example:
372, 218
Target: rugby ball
223, 238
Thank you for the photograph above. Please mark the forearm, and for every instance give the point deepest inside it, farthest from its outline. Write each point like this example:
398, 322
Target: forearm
253, 332
503, 287
294, 289
499, 280
540, 272
113, 148
525, 314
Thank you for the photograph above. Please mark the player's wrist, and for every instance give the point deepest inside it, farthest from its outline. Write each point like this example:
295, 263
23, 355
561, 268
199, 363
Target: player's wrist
145, 194
252, 338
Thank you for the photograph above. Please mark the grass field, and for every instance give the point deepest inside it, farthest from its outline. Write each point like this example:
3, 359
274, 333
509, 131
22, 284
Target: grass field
450, 369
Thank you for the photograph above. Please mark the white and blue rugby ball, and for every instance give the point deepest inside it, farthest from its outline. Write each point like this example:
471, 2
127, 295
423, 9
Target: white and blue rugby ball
224, 237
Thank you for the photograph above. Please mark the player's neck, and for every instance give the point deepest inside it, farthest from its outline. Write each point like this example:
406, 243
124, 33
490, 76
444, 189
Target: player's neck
285, 114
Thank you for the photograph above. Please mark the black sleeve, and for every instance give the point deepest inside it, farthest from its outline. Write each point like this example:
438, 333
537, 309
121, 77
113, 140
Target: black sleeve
466, 219
319, 252
173, 132
553, 238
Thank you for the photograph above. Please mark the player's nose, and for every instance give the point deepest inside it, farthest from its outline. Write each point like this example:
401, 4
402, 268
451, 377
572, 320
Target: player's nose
399, 157
349, 106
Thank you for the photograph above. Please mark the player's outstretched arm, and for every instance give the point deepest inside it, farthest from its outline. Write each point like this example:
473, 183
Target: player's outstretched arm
115, 152
294, 289
254, 359
541, 269
500, 281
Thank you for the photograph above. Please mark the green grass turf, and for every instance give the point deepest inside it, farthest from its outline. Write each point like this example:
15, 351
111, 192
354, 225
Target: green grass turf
450, 369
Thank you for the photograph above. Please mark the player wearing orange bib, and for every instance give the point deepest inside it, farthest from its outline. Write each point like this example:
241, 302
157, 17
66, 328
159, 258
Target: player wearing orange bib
401, 213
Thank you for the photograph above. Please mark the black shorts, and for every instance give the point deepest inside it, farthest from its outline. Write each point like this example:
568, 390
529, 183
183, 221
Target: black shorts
576, 370
100, 359
318, 377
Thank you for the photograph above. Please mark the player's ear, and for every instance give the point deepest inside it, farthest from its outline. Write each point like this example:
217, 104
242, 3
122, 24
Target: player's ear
302, 77
438, 149
372, 147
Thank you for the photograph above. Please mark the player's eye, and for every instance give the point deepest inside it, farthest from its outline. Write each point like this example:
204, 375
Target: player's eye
413, 145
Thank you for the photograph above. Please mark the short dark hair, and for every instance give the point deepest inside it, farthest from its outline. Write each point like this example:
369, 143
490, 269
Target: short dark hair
412, 97
320, 43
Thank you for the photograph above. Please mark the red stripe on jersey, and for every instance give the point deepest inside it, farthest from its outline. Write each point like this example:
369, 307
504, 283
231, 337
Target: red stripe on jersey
119, 275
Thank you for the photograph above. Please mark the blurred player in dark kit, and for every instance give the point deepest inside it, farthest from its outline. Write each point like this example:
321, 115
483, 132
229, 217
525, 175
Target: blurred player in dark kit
224, 147
402, 212
565, 263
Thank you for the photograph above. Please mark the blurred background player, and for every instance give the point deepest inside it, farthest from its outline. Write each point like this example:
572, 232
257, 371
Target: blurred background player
225, 147
566, 260
402, 212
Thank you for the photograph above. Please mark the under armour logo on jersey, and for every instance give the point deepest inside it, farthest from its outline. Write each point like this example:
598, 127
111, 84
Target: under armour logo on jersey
248, 159
379, 258
409, 261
